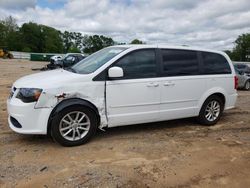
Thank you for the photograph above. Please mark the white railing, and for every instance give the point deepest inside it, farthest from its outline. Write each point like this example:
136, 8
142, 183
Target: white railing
248, 63
20, 55
26, 55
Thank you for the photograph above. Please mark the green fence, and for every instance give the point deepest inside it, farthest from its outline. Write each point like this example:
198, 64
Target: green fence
40, 57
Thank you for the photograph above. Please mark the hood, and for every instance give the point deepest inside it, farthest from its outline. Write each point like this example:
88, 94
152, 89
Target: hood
46, 79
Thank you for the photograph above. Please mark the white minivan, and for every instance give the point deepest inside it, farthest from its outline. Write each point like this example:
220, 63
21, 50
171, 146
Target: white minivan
123, 85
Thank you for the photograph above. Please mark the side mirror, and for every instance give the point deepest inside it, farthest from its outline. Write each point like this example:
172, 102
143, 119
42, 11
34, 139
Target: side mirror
115, 72
241, 72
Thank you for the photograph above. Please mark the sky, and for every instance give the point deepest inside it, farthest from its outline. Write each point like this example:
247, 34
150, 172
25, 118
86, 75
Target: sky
213, 24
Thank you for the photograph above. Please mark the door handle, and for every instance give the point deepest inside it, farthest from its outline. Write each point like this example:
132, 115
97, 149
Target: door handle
169, 84
152, 85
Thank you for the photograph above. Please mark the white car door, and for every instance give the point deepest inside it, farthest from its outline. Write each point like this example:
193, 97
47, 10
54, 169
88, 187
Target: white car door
181, 86
135, 97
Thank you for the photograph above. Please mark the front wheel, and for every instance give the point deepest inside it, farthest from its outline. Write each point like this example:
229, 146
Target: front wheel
211, 111
74, 126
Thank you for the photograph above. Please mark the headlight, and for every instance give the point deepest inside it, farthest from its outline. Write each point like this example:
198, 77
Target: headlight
28, 95
12, 91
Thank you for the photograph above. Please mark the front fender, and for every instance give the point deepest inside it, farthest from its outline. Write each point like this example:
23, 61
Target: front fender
71, 102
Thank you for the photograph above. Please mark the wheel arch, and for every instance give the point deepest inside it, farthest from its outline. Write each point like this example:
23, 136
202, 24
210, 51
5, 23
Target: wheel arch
218, 92
202, 118
221, 96
71, 102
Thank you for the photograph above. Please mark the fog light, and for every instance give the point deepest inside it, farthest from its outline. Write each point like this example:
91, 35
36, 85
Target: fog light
15, 122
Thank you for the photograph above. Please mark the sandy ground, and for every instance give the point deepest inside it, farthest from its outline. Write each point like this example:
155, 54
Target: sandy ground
177, 153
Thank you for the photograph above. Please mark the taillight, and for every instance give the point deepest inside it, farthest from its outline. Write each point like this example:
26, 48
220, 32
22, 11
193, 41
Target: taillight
235, 82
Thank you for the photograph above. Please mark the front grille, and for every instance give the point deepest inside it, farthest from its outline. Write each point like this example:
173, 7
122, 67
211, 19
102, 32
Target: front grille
15, 122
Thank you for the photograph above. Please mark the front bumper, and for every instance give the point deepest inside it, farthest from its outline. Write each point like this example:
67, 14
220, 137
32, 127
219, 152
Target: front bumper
32, 121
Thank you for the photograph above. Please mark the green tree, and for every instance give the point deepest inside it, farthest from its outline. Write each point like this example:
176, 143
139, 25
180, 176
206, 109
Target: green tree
67, 41
53, 42
32, 37
41, 38
77, 40
2, 34
234, 56
9, 34
241, 51
242, 48
137, 41
10, 24
74, 49
96, 42
72, 41
14, 41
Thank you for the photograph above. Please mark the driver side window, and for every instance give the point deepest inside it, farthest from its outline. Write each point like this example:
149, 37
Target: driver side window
138, 64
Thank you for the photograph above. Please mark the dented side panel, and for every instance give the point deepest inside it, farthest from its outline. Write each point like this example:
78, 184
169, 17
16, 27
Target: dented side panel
90, 91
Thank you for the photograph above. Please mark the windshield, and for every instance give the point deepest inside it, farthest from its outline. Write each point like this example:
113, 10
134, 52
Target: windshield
93, 62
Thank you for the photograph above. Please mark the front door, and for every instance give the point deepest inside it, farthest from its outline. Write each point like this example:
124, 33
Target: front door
135, 97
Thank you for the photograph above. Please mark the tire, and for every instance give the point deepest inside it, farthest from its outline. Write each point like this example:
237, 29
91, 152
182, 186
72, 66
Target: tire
247, 85
70, 129
211, 111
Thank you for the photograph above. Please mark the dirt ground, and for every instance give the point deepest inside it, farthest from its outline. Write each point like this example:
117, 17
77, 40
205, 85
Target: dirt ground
172, 154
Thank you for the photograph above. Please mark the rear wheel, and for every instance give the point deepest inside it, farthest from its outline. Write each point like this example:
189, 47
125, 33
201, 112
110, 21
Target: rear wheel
74, 126
211, 111
247, 85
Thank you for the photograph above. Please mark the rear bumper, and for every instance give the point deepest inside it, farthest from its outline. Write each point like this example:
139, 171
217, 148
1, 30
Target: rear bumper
231, 101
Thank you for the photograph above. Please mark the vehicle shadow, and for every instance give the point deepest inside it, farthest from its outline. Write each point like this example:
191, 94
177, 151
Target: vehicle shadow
171, 125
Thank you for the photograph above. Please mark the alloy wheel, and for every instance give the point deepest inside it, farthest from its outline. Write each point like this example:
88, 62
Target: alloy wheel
74, 125
212, 111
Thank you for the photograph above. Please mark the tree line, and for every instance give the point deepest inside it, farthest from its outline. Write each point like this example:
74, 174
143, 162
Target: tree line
33, 37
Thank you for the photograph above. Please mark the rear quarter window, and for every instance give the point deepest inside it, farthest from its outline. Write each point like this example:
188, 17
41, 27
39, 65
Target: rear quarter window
215, 64
180, 62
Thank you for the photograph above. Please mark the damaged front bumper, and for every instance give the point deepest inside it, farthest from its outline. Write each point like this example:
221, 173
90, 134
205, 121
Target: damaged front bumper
33, 118
30, 120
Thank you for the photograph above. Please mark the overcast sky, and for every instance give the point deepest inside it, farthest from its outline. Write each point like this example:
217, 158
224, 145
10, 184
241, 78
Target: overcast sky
206, 23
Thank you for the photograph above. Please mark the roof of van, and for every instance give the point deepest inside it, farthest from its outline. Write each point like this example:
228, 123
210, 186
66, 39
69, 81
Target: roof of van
182, 47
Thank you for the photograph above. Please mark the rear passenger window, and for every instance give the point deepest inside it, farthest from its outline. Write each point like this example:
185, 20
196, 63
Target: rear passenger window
138, 64
215, 64
180, 62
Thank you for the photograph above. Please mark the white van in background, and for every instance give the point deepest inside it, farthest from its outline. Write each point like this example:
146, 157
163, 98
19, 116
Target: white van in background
123, 85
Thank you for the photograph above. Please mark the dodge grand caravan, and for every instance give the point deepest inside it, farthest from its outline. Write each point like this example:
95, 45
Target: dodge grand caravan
123, 85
